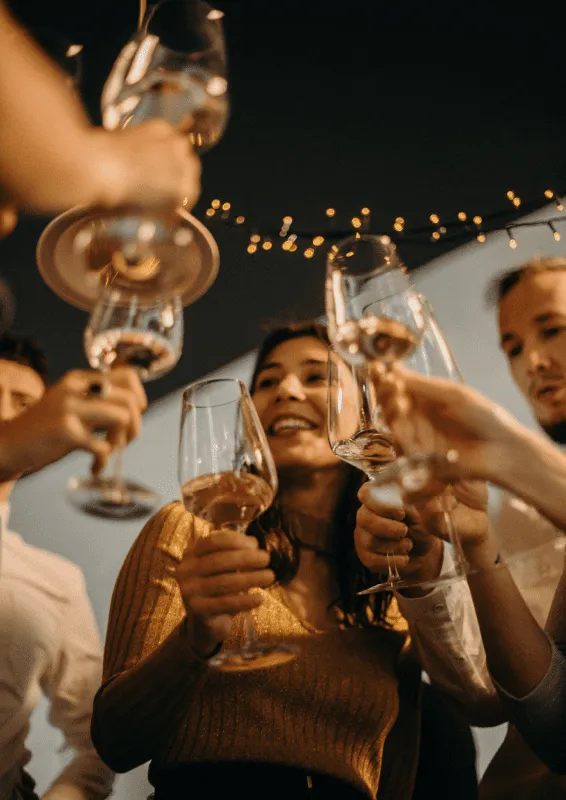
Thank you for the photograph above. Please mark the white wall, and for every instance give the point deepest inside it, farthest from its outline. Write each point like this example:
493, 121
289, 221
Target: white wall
455, 285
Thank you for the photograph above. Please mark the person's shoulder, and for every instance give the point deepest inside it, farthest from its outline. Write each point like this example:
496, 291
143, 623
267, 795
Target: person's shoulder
51, 571
171, 529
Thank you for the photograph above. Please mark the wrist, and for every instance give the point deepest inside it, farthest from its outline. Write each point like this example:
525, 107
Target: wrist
111, 174
199, 639
481, 555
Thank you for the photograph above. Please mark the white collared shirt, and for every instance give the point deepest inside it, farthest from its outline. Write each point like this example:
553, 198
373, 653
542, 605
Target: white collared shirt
49, 644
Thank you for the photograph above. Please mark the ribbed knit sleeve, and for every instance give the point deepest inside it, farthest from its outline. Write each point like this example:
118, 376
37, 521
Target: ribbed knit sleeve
151, 675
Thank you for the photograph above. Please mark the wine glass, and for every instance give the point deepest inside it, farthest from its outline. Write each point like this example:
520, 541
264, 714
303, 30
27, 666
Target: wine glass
413, 471
124, 331
174, 68
228, 478
357, 431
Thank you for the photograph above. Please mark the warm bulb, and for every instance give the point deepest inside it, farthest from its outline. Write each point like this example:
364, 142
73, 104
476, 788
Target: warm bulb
330, 212
215, 204
435, 219
318, 240
462, 216
252, 248
478, 220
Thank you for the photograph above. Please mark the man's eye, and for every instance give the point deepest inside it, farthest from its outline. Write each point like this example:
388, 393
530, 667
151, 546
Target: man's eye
513, 352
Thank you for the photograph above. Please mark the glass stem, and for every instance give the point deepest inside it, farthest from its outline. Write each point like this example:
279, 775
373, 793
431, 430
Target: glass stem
119, 467
250, 633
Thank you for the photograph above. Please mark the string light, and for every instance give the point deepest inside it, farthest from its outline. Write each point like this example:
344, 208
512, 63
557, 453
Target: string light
240, 220
559, 204
549, 194
434, 218
477, 220
356, 222
462, 216
255, 238
481, 237
365, 212
210, 212
512, 241
309, 252
318, 240
330, 212
510, 195
215, 204
555, 233
252, 248
399, 224
436, 236
226, 206
516, 202
267, 245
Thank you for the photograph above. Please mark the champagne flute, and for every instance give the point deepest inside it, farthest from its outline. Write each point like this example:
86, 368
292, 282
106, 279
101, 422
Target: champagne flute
414, 470
357, 432
228, 478
124, 331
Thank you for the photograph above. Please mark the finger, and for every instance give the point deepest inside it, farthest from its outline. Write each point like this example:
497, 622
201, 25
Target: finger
226, 561
96, 413
380, 527
127, 399
224, 540
380, 563
127, 378
229, 604
365, 542
369, 495
100, 449
227, 584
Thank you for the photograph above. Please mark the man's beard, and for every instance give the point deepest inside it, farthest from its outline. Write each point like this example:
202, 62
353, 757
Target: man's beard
556, 431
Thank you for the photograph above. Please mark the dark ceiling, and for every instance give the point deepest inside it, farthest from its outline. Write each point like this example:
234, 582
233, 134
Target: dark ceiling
361, 105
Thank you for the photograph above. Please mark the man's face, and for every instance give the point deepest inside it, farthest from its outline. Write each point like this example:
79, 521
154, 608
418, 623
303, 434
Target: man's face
532, 324
20, 388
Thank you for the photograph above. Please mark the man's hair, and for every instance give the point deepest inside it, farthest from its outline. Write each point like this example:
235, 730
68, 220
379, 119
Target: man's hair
24, 351
503, 284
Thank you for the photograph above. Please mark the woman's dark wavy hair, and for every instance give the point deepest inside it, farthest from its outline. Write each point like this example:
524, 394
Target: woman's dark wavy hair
277, 536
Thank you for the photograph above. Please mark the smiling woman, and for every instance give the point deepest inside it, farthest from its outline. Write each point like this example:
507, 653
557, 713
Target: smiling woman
352, 681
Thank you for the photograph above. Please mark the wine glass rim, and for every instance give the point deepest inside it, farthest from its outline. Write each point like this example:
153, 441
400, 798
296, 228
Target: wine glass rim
385, 297
210, 381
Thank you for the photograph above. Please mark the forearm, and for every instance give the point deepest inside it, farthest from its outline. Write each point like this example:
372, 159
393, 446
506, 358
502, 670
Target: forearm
50, 151
134, 708
535, 470
518, 651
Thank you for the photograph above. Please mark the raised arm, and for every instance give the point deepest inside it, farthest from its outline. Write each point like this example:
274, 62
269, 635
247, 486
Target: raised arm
52, 158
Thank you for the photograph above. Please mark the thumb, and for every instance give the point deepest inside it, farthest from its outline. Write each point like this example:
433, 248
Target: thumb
101, 451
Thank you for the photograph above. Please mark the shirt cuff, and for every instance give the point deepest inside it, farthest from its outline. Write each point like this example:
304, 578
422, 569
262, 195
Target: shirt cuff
435, 604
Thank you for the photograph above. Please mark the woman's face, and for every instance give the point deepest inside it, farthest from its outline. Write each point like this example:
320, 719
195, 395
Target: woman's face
290, 395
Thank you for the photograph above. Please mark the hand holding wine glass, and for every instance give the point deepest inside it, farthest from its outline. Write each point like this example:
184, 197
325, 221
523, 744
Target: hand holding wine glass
227, 478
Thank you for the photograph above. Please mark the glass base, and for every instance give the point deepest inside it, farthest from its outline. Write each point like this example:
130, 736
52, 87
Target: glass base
103, 497
261, 655
390, 585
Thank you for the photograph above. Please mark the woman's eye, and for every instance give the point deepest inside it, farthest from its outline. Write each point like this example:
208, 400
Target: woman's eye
515, 351
548, 333
266, 383
317, 377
